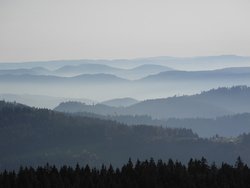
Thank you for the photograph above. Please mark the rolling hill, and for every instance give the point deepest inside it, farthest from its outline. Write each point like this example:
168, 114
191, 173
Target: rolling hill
40, 101
121, 102
180, 63
88, 68
209, 104
30, 136
21, 71
238, 73
224, 126
165, 84
84, 78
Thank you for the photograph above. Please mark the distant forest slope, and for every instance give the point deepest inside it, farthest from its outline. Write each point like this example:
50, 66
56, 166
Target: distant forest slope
209, 104
120, 102
40, 101
30, 136
226, 126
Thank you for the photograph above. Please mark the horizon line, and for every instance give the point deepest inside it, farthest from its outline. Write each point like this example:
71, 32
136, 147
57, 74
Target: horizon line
124, 59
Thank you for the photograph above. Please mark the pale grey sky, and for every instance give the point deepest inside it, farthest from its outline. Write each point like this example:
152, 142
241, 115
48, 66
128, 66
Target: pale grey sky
76, 29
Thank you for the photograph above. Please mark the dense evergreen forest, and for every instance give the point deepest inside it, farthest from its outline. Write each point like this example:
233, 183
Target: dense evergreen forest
31, 137
141, 174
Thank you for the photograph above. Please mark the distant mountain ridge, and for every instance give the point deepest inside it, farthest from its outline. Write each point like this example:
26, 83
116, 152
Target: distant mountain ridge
222, 74
142, 78
120, 102
182, 63
158, 75
209, 104
21, 71
76, 70
89, 78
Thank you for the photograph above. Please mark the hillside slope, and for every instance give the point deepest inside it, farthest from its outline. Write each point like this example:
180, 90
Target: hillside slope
30, 136
209, 104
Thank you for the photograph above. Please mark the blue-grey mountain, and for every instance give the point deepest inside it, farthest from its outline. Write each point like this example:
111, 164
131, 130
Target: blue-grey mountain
209, 104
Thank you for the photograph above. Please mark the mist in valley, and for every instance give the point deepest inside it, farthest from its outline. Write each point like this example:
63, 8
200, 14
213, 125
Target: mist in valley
90, 84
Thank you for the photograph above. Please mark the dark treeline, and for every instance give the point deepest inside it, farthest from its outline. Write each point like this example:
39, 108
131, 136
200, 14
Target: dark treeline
145, 174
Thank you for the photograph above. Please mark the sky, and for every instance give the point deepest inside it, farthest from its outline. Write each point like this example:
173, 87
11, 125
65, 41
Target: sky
78, 29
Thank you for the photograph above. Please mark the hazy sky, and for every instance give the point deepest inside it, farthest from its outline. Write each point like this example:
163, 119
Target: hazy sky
75, 29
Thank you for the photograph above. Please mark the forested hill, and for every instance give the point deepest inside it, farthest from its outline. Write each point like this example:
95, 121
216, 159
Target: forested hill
208, 104
226, 126
30, 136
12, 105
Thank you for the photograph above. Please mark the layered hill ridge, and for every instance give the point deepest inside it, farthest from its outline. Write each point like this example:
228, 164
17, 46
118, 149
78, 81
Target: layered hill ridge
182, 63
36, 136
141, 73
121, 85
87, 68
120, 102
221, 74
40, 101
41, 135
209, 104
84, 78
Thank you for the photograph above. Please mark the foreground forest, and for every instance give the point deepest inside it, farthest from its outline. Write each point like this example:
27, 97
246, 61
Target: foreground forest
141, 174
31, 137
